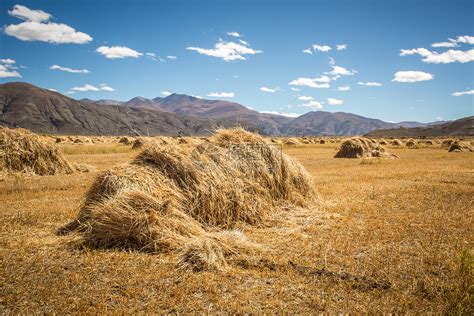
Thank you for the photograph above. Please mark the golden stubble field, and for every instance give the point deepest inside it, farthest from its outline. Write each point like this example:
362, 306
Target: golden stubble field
389, 236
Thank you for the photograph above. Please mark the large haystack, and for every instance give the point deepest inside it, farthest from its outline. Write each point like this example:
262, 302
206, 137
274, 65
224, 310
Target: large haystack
23, 151
359, 147
168, 196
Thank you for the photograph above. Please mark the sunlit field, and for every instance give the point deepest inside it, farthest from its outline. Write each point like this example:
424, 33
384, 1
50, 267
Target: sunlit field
386, 235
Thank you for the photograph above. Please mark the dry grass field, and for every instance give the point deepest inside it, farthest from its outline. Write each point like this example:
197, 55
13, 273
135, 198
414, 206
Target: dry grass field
392, 236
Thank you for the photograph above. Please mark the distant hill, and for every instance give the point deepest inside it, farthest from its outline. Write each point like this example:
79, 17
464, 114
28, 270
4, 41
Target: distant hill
461, 127
42, 110
312, 123
338, 123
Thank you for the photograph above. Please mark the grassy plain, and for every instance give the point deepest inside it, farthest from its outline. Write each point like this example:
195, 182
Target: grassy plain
390, 236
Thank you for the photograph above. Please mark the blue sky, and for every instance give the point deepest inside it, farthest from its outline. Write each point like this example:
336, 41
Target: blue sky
402, 60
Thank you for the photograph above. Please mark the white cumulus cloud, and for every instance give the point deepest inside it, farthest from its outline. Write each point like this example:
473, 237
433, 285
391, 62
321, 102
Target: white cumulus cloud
458, 94
412, 76
166, 93
305, 98
221, 94
295, 89
455, 42
234, 34
307, 51
447, 57
340, 71
321, 48
370, 84
270, 90
171, 57
37, 27
227, 51
67, 69
7, 69
6, 73
332, 101
89, 87
114, 52
27, 14
281, 113
315, 105
7, 61
344, 88
341, 47
318, 82
106, 87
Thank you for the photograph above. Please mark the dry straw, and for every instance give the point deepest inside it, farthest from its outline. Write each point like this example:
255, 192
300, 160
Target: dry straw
359, 147
411, 143
396, 143
460, 146
183, 198
23, 151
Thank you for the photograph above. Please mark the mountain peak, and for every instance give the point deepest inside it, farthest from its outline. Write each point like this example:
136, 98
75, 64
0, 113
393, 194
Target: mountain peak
179, 97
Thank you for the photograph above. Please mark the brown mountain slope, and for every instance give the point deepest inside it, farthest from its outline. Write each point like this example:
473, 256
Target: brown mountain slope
461, 127
41, 110
338, 123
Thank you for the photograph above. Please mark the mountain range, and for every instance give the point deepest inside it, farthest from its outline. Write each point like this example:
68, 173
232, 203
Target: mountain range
42, 110
461, 127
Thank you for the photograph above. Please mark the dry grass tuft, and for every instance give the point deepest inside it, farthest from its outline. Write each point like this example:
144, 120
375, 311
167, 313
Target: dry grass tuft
359, 147
150, 202
23, 151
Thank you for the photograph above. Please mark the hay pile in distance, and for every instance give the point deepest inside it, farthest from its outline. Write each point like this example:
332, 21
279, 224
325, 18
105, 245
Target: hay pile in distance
23, 151
396, 143
446, 144
359, 147
459, 146
183, 199
126, 140
411, 143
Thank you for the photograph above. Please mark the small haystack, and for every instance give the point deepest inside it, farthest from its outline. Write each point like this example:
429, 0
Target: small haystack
23, 151
322, 141
359, 147
291, 142
383, 142
411, 143
396, 143
446, 144
460, 146
126, 140
139, 143
179, 198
